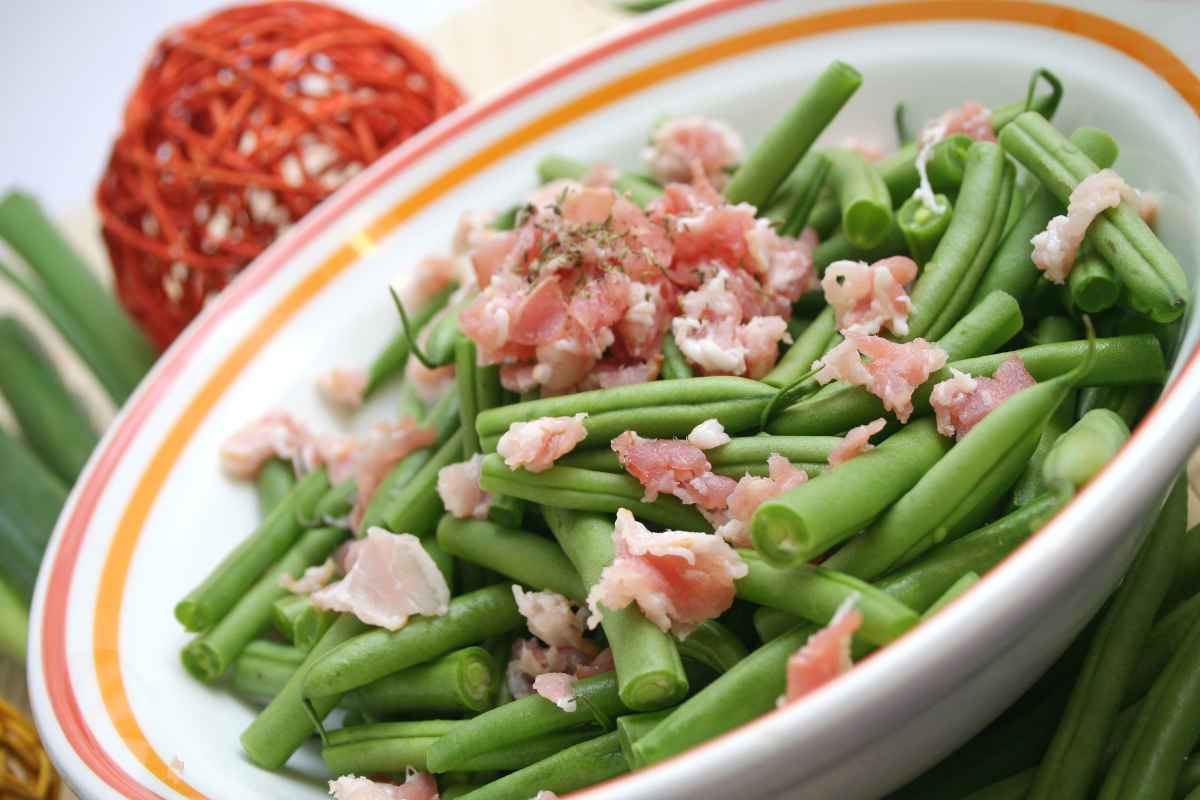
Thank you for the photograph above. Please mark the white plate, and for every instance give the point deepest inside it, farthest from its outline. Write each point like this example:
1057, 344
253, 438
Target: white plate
152, 513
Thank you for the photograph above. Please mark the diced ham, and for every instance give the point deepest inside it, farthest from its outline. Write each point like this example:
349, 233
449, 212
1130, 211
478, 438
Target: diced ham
346, 554
276, 434
417, 786
892, 373
672, 466
549, 616
377, 452
541, 314
312, 579
678, 579
558, 688
1055, 248
868, 298
784, 264
537, 444
961, 401
708, 434
531, 659
416, 286
729, 348
458, 486
392, 579
472, 230
825, 655
343, 387
971, 119
607, 374
752, 491
677, 144
1147, 207
430, 384
857, 440
603, 662
600, 174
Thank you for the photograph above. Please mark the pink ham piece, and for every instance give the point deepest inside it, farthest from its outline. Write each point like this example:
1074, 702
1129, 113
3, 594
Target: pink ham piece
416, 286
537, 444
1055, 248
549, 616
343, 387
458, 486
417, 786
672, 466
677, 578
784, 265
869, 298
606, 375
558, 688
430, 384
530, 659
825, 655
857, 440
678, 143
708, 434
961, 401
971, 119
375, 454
752, 491
313, 578
892, 373
392, 579
276, 434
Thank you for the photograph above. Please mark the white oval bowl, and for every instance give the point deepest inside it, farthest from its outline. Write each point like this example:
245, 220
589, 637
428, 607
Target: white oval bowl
152, 514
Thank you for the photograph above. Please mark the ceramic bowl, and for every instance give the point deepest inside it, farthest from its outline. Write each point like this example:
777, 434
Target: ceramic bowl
152, 512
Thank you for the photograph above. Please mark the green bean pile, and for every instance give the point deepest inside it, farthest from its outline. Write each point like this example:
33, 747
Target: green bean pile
899, 530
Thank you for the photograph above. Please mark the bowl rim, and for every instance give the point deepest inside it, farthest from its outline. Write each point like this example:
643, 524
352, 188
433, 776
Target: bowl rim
81, 754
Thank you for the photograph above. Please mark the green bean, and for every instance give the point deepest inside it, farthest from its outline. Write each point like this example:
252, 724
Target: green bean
765, 168
507, 510
382, 746
336, 504
771, 623
1086, 447
1187, 574
526, 558
738, 456
1031, 484
639, 190
372, 655
284, 724
674, 364
390, 362
923, 227
208, 656
465, 368
804, 185
1164, 639
1165, 732
1153, 279
275, 480
647, 660
947, 161
956, 590
713, 645
1093, 285
632, 727
826, 215
462, 681
943, 291
393, 489
310, 625
862, 196
811, 345
757, 682
664, 406
1072, 762
205, 605
587, 490
597, 703
929, 508
816, 593
582, 765
264, 667
416, 506
1015, 787
284, 612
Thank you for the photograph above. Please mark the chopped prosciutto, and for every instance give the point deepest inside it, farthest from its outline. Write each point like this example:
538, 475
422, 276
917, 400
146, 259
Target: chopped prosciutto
375, 454
961, 401
825, 655
672, 466
678, 143
276, 434
549, 616
892, 373
473, 228
430, 384
607, 374
971, 119
715, 333
531, 659
868, 298
785, 265
558, 688
313, 578
343, 387
392, 579
1055, 248
458, 486
708, 434
752, 491
537, 444
431, 275
678, 579
417, 786
857, 440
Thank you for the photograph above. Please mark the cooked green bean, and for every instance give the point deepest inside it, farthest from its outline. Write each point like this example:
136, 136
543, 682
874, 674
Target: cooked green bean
1086, 447
674, 364
811, 345
393, 358
713, 645
838, 247
205, 605
526, 558
924, 227
284, 612
583, 765
264, 667
275, 480
826, 215
768, 165
335, 505
1153, 279
809, 519
956, 590
416, 506
1072, 762
647, 660
771, 623
382, 746
507, 510
804, 186
1093, 285
460, 682
310, 625
378, 652
816, 593
1031, 484
1164, 639
632, 727
740, 454
862, 196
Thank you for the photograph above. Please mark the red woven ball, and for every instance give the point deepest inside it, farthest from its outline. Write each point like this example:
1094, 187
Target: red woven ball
240, 124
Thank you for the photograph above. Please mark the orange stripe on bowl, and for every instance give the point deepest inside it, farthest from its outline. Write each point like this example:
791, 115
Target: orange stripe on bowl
115, 572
